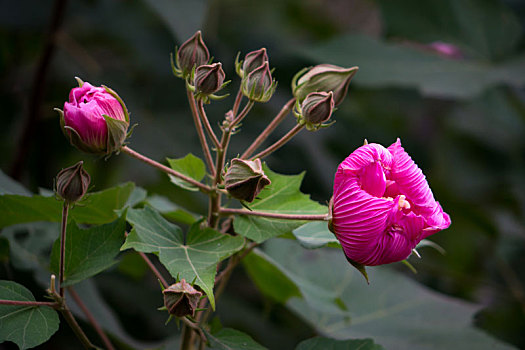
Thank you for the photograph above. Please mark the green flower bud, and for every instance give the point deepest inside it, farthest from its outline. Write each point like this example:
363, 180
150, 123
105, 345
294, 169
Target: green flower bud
316, 109
192, 53
259, 86
181, 299
72, 183
245, 179
209, 79
323, 77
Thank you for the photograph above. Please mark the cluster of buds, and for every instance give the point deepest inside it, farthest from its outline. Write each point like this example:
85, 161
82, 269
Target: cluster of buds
257, 83
245, 179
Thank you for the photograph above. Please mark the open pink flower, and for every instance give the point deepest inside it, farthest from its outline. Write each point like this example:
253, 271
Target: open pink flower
94, 119
382, 205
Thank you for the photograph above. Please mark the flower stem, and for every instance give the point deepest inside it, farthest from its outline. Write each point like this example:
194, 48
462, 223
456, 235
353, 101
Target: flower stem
155, 271
52, 304
61, 266
309, 217
241, 115
237, 102
91, 318
202, 187
269, 129
295, 130
207, 125
200, 131
70, 319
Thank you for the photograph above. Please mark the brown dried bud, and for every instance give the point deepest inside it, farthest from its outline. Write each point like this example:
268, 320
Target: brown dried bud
245, 179
181, 299
72, 183
192, 53
209, 78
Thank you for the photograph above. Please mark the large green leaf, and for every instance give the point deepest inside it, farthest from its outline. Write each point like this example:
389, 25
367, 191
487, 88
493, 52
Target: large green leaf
195, 257
89, 251
282, 196
191, 166
27, 326
315, 235
232, 339
320, 343
384, 64
171, 210
467, 23
395, 311
96, 208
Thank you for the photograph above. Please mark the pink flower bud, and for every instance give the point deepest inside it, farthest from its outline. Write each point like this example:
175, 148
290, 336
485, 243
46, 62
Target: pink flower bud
323, 77
382, 206
259, 85
209, 78
192, 53
95, 120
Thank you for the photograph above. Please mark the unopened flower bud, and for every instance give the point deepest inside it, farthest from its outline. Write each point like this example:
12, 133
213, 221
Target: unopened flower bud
252, 61
181, 299
209, 78
259, 86
192, 53
95, 119
245, 179
316, 109
323, 77
72, 183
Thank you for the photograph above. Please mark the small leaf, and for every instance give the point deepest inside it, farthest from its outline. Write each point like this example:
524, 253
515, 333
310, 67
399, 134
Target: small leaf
282, 196
321, 343
27, 326
196, 258
232, 339
316, 235
191, 166
96, 208
88, 252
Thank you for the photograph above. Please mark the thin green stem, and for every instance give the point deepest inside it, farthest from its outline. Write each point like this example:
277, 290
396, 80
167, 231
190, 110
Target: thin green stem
200, 131
202, 187
91, 318
61, 266
295, 130
309, 217
269, 129
52, 304
206, 122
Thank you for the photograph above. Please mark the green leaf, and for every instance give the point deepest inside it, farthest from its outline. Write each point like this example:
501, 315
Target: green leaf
395, 311
191, 166
96, 208
232, 339
27, 326
171, 210
10, 186
281, 196
383, 64
321, 343
193, 258
316, 235
281, 283
89, 251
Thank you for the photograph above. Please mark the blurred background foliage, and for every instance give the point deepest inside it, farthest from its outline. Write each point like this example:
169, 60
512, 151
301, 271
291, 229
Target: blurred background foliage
461, 117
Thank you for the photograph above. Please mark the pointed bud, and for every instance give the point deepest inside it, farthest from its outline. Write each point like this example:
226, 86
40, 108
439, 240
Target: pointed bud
192, 53
245, 179
95, 119
209, 78
72, 183
323, 77
259, 86
252, 61
316, 109
181, 299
